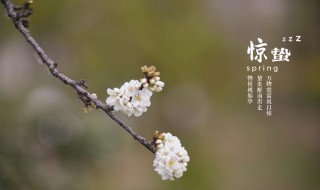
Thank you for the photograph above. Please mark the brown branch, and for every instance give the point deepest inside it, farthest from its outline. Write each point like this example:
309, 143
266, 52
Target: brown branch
83, 94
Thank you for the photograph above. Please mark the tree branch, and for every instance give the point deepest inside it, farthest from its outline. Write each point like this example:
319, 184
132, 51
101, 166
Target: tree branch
84, 95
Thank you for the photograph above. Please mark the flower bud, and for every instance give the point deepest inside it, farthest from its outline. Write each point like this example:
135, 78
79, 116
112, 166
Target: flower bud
152, 89
161, 136
158, 89
94, 95
158, 142
152, 81
144, 80
159, 146
160, 84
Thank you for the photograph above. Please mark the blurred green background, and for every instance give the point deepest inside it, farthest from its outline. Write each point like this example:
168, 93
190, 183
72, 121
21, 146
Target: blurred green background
199, 46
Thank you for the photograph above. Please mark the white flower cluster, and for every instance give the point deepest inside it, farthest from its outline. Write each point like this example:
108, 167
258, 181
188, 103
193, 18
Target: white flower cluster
171, 158
129, 98
134, 97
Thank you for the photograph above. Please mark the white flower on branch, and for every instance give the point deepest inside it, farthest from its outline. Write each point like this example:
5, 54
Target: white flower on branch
133, 98
129, 98
171, 158
140, 101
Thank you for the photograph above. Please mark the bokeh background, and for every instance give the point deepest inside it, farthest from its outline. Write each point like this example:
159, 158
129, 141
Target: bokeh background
199, 46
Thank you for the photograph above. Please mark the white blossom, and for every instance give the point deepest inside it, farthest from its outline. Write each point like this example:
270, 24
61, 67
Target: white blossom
133, 98
129, 98
116, 98
171, 158
140, 101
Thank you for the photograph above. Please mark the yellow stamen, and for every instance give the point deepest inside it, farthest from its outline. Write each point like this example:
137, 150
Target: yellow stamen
171, 163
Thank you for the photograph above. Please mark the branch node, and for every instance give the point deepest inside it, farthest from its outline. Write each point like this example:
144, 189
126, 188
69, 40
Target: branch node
109, 108
23, 11
82, 83
55, 73
25, 22
84, 99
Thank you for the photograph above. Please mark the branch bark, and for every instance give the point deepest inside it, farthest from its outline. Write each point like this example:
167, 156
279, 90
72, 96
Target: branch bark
83, 94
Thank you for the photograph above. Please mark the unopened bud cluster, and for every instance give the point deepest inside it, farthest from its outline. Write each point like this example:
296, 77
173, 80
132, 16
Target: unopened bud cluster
151, 79
133, 98
171, 158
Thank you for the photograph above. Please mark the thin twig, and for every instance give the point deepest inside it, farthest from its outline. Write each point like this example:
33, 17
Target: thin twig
78, 86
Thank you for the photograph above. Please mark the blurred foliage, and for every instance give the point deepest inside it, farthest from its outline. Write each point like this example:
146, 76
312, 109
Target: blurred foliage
47, 142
